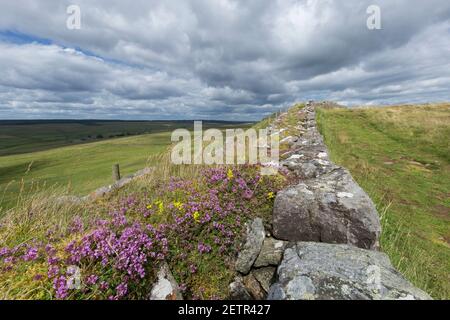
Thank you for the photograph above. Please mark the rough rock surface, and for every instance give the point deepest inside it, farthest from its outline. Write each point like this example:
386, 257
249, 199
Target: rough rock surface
106, 190
265, 277
254, 287
271, 253
325, 205
252, 246
309, 162
322, 271
165, 287
238, 290
103, 191
331, 208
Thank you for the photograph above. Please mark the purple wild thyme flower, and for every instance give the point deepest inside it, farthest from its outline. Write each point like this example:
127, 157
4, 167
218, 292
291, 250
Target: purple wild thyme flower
203, 248
121, 290
91, 279
104, 285
31, 254
52, 272
4, 252
76, 226
192, 268
60, 286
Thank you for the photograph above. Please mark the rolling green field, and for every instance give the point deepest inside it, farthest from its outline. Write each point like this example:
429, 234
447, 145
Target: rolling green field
24, 136
80, 168
401, 157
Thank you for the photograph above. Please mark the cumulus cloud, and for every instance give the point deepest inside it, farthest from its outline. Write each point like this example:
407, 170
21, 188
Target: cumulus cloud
223, 59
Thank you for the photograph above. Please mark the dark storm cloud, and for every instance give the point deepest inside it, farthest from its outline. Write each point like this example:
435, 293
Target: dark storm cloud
219, 59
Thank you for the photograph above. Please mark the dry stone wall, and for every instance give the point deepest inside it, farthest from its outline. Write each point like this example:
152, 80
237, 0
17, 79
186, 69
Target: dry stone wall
324, 242
106, 190
324, 239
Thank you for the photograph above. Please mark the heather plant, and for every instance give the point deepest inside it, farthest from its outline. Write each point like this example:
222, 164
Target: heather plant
194, 224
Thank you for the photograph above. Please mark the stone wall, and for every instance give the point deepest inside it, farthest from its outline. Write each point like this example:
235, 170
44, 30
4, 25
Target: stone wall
106, 190
324, 242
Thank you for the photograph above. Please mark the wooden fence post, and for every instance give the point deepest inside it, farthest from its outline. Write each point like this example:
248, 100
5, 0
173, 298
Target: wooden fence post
116, 172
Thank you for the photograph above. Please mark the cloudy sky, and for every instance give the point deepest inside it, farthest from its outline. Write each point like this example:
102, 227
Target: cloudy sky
217, 59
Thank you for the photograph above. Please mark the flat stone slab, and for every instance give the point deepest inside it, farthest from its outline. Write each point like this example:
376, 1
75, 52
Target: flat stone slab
265, 277
271, 253
165, 287
306, 168
253, 287
309, 162
252, 247
320, 271
237, 290
331, 208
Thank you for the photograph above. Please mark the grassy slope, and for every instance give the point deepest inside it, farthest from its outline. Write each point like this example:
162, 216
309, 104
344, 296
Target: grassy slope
401, 157
214, 273
17, 137
82, 167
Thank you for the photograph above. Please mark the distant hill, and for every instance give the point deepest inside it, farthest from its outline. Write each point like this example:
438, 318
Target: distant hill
79, 153
22, 136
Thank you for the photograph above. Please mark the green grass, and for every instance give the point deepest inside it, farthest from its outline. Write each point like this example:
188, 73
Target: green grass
83, 167
401, 157
18, 137
24, 136
31, 220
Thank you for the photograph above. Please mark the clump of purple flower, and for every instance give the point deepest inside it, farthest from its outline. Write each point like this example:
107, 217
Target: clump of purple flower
31, 254
184, 222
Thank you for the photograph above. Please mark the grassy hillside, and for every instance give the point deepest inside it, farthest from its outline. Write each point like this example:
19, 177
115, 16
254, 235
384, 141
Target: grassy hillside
193, 216
401, 157
83, 167
190, 216
24, 136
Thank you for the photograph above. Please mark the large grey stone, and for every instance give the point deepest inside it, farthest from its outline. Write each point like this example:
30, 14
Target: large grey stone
271, 253
107, 190
331, 208
253, 243
309, 162
238, 290
320, 271
254, 287
265, 277
311, 137
123, 182
165, 287
101, 192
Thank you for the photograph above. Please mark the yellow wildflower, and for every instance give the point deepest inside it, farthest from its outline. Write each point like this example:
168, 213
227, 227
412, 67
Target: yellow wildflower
196, 216
230, 174
270, 195
149, 206
160, 205
178, 205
